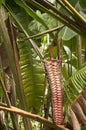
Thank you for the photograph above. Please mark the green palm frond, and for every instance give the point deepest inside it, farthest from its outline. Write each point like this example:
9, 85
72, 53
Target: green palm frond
79, 79
74, 85
32, 76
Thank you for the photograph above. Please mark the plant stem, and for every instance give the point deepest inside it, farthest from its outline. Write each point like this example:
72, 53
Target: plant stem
12, 63
43, 33
13, 117
63, 5
74, 11
65, 17
36, 48
79, 51
64, 21
33, 116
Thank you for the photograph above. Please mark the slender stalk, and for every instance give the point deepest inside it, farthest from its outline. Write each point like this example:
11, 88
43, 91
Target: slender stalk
68, 11
43, 33
11, 58
64, 21
85, 55
74, 11
13, 117
57, 11
14, 43
3, 84
36, 48
65, 17
33, 116
63, 6
79, 51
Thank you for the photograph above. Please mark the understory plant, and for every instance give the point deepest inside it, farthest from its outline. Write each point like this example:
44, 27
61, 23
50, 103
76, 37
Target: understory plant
42, 65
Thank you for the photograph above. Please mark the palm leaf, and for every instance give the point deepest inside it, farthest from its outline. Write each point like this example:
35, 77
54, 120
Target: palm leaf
32, 76
75, 84
80, 78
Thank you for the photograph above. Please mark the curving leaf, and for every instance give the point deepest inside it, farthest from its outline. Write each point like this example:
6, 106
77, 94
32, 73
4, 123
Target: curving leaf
68, 34
31, 12
75, 84
32, 76
80, 77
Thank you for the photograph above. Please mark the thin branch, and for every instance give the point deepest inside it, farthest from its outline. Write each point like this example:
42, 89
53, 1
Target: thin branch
13, 37
61, 19
33, 116
63, 6
68, 11
4, 86
65, 17
74, 11
43, 33
79, 51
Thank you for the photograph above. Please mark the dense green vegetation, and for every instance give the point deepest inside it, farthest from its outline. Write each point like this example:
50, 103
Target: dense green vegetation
32, 32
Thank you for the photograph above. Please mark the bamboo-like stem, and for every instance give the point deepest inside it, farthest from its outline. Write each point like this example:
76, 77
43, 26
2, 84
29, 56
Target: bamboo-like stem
57, 11
74, 11
36, 48
4, 87
43, 33
64, 21
65, 17
68, 11
79, 51
63, 5
13, 117
11, 58
32, 116
14, 43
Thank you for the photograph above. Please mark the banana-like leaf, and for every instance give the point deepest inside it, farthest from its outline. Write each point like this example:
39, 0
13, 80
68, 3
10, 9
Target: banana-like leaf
32, 76
68, 34
30, 12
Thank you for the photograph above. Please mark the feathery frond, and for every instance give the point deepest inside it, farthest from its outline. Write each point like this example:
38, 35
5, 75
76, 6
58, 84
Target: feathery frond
32, 76
75, 84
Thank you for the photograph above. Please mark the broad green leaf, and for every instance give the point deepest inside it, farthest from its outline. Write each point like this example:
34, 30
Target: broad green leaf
83, 3
36, 48
0, 3
31, 12
68, 34
73, 2
83, 127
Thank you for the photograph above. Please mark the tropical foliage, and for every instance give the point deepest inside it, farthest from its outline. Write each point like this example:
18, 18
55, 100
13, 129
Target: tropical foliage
32, 32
